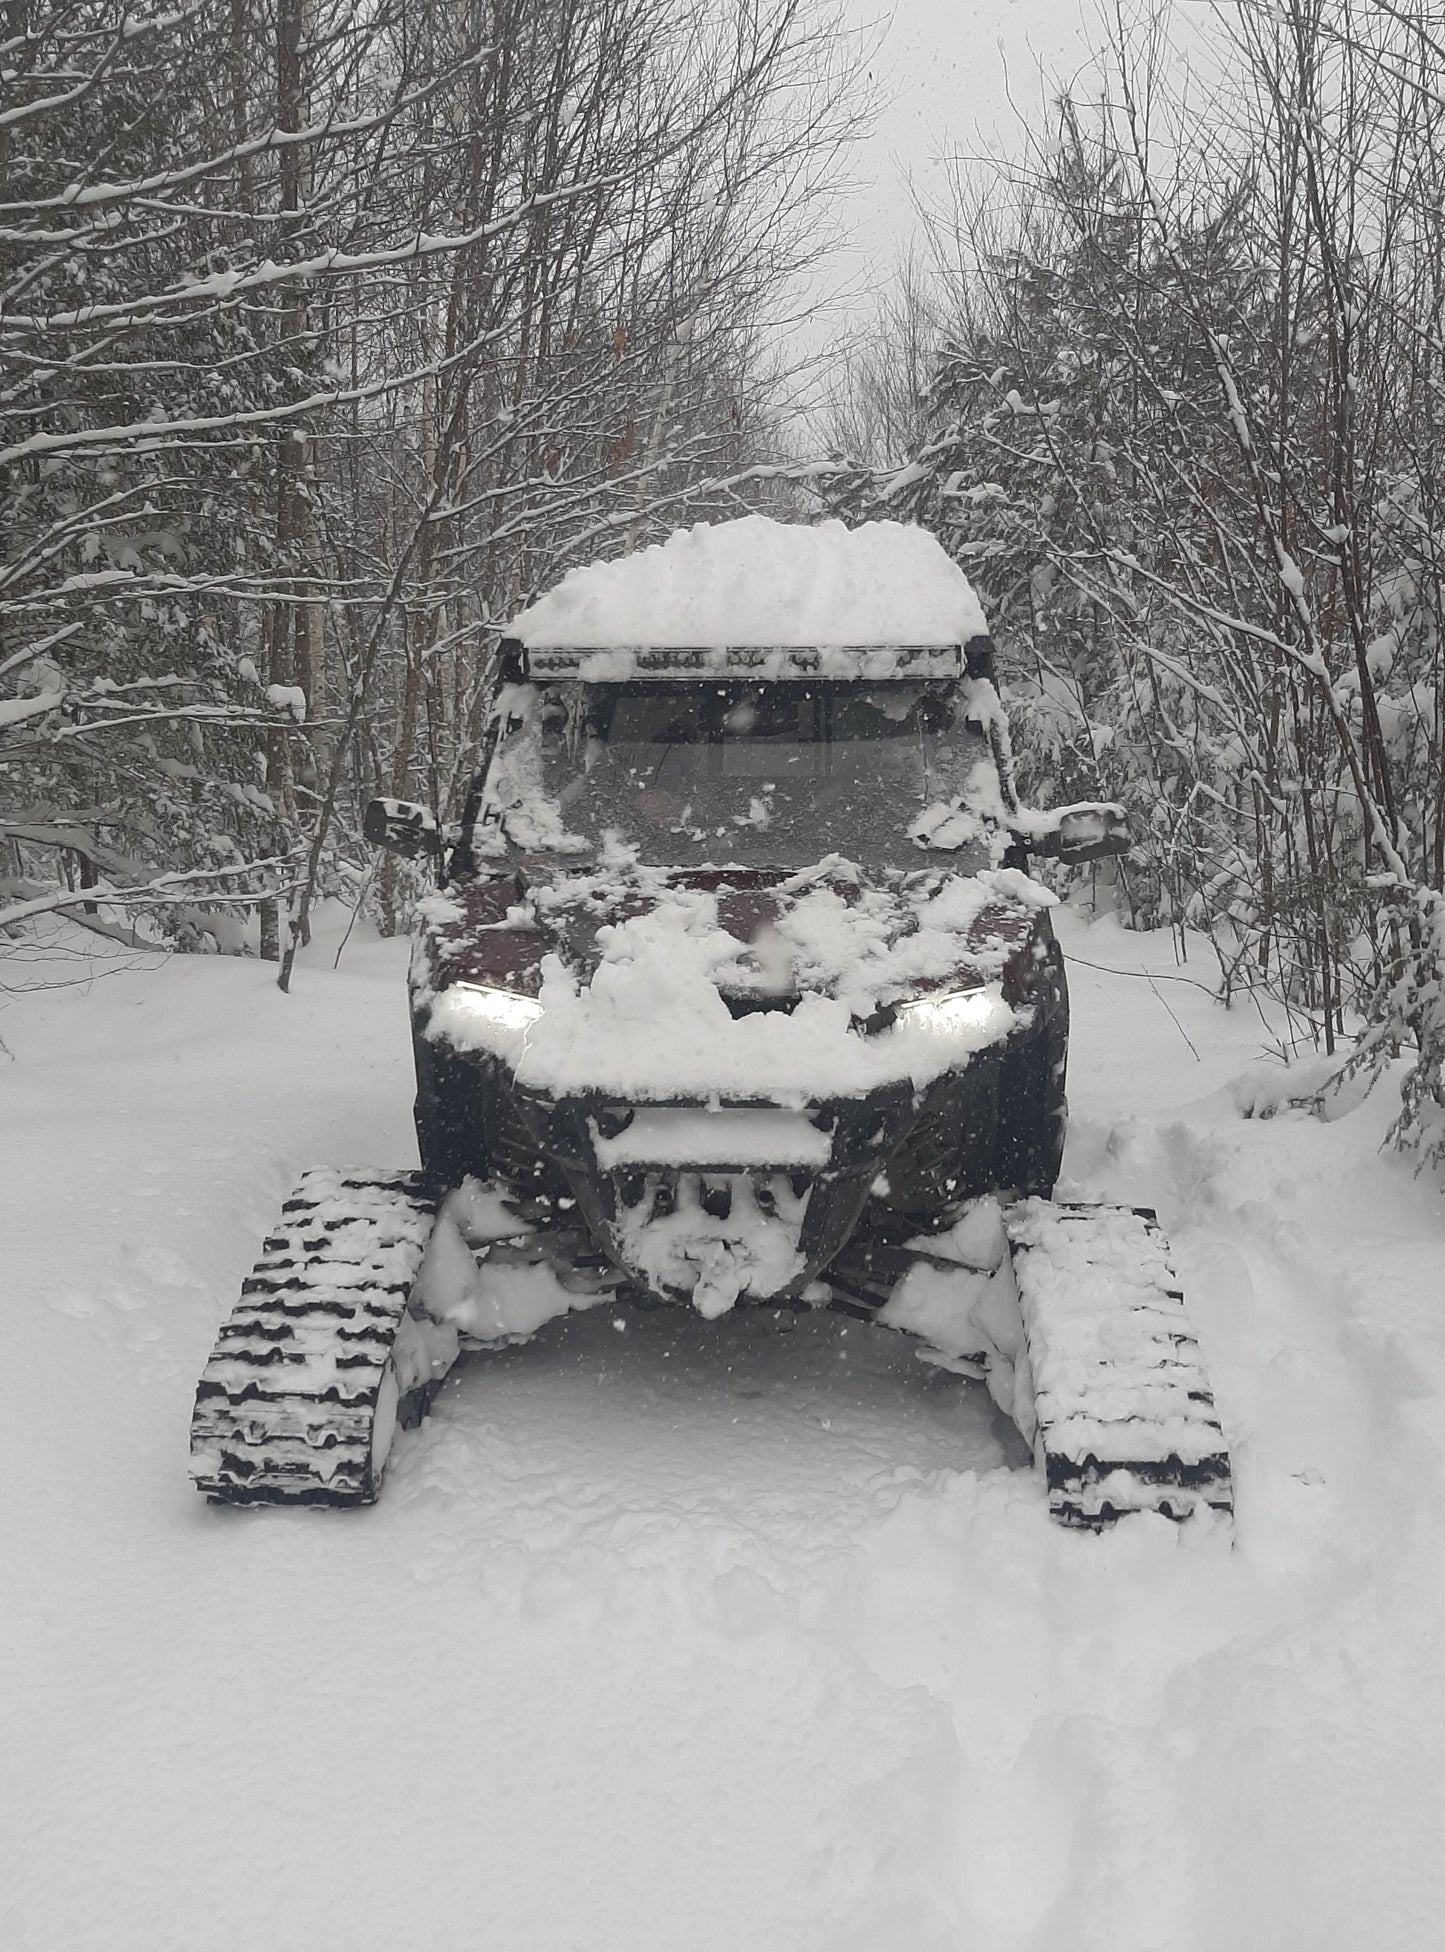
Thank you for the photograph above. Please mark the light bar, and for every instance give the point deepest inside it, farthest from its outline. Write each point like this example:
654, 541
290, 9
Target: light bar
632, 662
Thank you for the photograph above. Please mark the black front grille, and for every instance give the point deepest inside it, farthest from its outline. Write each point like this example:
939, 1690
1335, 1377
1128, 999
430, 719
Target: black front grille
656, 1188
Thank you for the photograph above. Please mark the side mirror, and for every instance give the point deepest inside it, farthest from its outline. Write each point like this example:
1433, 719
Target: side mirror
1081, 833
402, 827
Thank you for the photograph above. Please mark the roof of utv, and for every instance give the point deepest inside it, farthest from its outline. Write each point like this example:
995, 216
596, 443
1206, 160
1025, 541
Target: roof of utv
758, 597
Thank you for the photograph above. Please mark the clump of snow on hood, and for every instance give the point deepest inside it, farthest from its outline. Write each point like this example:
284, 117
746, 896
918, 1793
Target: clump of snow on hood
855, 950
764, 583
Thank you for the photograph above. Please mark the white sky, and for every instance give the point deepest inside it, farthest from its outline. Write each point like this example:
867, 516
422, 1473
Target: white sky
954, 78
947, 71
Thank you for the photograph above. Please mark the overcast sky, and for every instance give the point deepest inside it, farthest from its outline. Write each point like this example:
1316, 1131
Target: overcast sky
947, 71
954, 78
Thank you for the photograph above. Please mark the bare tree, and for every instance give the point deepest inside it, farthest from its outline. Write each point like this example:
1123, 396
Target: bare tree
328, 334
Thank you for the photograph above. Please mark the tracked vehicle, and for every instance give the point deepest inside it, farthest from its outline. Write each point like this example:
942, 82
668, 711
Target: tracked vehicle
734, 990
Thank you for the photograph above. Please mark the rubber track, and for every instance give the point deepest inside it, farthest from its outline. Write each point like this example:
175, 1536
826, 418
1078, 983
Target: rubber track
1126, 1419
286, 1404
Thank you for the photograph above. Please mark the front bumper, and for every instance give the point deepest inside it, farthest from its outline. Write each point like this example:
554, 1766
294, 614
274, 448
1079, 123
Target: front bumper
624, 1167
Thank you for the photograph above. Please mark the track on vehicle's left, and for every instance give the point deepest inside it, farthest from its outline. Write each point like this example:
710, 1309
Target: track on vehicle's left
300, 1399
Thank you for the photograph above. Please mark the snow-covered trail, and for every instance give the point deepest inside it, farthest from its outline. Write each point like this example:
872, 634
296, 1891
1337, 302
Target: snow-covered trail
674, 1634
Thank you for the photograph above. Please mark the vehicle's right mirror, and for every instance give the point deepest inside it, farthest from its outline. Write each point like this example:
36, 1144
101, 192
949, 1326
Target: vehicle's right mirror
1086, 832
402, 827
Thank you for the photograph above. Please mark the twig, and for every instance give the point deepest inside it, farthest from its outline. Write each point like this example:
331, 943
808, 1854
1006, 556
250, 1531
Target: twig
1142, 975
165, 888
1147, 977
1174, 1020
361, 897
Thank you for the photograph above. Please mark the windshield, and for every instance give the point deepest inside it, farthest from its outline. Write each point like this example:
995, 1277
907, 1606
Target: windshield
766, 775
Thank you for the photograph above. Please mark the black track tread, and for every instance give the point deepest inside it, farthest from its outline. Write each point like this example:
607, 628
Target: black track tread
1126, 1418
285, 1405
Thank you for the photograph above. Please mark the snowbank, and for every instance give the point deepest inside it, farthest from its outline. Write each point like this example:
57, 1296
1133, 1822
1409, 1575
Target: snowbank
764, 583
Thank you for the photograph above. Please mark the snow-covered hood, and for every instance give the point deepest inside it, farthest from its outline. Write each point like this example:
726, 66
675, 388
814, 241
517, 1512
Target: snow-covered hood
741, 982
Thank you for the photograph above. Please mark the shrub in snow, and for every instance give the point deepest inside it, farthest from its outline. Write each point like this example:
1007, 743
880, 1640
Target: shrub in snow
1408, 1014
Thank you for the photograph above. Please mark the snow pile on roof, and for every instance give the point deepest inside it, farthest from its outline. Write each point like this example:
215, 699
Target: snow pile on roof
760, 582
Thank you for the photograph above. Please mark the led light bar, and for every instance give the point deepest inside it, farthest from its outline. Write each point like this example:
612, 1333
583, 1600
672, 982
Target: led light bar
636, 662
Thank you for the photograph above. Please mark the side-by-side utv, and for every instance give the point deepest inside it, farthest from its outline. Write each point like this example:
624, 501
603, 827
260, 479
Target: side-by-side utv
734, 989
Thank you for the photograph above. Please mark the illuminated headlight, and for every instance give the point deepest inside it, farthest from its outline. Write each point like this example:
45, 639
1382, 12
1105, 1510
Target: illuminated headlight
952, 1013
503, 1009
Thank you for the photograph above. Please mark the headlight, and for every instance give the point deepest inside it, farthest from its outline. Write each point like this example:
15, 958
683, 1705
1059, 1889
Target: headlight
952, 1013
502, 1009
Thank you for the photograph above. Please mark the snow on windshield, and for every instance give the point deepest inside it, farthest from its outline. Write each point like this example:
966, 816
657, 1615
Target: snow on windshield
745, 774
760, 582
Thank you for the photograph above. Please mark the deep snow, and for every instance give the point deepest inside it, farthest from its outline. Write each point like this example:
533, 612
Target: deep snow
674, 1634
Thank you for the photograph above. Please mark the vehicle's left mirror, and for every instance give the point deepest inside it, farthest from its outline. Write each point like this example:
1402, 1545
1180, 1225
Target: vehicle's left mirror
402, 827
1081, 833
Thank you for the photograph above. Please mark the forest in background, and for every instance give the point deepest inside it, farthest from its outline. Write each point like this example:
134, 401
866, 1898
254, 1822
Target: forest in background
329, 335
1172, 391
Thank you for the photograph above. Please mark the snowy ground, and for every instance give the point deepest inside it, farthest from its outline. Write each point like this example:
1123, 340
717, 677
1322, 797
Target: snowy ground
689, 1636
